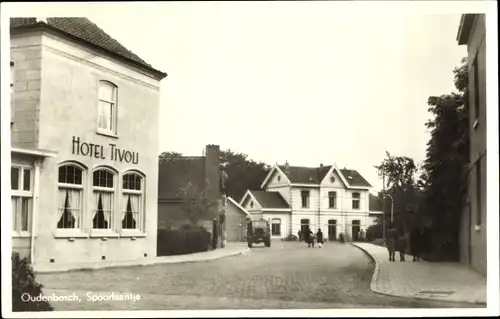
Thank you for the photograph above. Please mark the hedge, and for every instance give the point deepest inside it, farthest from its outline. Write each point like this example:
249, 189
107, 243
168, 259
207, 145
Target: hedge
24, 283
186, 240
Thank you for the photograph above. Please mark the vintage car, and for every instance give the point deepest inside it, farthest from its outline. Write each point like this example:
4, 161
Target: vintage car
258, 231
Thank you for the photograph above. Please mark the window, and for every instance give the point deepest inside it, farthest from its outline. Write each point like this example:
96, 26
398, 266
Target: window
251, 204
22, 198
103, 199
475, 68
305, 199
107, 110
478, 193
332, 199
355, 200
276, 227
279, 178
133, 201
70, 196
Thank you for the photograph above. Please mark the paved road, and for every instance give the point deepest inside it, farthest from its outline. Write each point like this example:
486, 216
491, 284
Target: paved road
286, 275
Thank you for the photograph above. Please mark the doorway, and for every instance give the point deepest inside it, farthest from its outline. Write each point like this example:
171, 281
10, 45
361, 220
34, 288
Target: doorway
332, 229
356, 227
304, 227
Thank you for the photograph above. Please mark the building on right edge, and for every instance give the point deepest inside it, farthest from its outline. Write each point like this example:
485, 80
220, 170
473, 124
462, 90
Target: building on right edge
472, 32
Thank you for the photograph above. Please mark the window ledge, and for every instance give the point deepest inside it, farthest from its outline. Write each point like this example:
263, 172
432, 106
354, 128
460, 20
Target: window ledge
132, 233
69, 233
106, 133
21, 235
103, 233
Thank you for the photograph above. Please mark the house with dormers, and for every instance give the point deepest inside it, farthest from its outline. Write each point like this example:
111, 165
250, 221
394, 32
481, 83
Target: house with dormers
84, 144
296, 198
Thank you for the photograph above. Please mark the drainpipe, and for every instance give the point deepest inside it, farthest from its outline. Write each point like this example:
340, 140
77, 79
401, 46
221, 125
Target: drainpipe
319, 207
34, 211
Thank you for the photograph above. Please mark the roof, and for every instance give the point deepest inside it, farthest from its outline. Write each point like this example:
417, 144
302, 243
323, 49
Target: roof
176, 173
315, 175
305, 175
237, 205
270, 199
465, 27
354, 178
375, 204
84, 30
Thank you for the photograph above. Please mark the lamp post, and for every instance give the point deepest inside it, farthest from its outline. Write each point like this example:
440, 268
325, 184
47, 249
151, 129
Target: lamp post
392, 206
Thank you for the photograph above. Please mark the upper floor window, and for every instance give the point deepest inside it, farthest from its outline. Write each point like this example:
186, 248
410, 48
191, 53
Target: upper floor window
103, 201
133, 201
355, 200
107, 108
22, 198
305, 199
332, 199
70, 196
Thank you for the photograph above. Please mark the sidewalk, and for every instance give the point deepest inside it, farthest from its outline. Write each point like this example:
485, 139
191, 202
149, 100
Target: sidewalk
448, 281
232, 249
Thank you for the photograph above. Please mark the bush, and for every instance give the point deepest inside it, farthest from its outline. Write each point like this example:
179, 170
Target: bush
24, 283
374, 232
290, 237
186, 240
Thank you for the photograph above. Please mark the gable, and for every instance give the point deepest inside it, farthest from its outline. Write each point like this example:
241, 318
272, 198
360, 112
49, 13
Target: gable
249, 203
277, 178
337, 181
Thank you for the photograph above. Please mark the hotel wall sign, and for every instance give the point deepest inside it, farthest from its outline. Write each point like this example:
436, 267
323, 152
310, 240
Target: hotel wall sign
98, 151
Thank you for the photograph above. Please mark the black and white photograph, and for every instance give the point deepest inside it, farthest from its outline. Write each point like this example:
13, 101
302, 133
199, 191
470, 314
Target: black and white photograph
249, 159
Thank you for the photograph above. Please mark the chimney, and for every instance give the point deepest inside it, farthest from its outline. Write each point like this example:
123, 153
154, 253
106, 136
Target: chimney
286, 169
212, 175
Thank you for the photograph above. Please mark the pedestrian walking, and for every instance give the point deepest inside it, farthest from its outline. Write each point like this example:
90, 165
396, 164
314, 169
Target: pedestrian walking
319, 237
299, 234
416, 242
310, 238
391, 241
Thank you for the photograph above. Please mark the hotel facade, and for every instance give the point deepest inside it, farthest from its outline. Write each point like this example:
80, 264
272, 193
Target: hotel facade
84, 144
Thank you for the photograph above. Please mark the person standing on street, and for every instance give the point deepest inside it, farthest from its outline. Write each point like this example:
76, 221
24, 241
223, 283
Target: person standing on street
402, 245
391, 241
319, 237
416, 241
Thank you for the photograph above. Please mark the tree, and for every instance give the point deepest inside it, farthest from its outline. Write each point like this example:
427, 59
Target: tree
169, 155
195, 202
400, 177
444, 179
240, 173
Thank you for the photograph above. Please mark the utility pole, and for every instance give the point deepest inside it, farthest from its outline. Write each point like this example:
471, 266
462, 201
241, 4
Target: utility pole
383, 203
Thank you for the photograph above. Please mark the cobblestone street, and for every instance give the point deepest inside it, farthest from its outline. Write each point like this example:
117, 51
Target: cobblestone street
287, 275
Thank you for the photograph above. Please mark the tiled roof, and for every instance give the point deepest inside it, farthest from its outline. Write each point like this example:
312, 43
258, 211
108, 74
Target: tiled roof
375, 204
86, 30
176, 173
270, 199
354, 178
305, 175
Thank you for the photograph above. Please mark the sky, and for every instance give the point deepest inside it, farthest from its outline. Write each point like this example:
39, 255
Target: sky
303, 82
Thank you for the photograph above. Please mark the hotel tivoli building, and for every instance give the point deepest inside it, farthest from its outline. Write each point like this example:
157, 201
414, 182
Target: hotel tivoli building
84, 144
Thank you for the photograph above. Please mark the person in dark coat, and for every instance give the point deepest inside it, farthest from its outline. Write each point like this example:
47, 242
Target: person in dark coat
391, 241
310, 239
299, 234
402, 245
319, 237
416, 243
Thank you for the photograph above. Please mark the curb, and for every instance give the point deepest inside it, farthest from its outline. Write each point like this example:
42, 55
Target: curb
375, 290
141, 264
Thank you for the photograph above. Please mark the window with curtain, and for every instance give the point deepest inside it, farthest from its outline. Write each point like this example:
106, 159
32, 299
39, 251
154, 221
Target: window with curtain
133, 201
70, 196
22, 198
107, 107
103, 195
